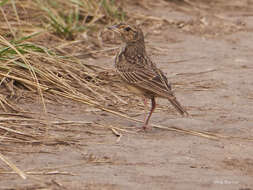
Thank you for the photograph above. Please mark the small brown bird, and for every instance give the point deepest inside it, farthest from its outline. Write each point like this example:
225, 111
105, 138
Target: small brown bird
140, 74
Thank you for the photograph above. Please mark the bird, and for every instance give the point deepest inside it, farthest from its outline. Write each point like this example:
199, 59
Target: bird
139, 73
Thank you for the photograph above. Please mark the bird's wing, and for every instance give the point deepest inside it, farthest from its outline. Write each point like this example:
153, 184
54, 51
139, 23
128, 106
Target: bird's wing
143, 73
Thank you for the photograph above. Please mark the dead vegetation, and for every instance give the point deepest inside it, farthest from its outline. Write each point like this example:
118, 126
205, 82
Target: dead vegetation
37, 47
38, 44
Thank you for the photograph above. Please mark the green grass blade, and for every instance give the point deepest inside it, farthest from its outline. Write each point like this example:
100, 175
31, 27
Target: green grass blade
3, 2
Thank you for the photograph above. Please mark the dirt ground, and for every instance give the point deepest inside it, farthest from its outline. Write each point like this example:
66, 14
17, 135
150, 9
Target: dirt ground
206, 51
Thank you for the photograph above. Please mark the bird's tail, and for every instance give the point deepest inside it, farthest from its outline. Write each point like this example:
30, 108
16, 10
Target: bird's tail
178, 106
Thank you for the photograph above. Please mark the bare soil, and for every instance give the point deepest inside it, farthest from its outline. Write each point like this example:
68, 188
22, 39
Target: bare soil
206, 50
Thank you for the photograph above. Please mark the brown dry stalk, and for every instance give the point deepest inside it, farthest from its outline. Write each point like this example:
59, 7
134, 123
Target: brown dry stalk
13, 167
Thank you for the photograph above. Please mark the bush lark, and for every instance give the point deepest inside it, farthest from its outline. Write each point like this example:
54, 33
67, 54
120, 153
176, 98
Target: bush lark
138, 72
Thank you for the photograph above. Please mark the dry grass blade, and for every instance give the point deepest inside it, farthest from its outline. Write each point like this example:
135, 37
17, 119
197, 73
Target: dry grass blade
53, 172
115, 132
91, 159
69, 122
14, 131
190, 132
6, 20
13, 167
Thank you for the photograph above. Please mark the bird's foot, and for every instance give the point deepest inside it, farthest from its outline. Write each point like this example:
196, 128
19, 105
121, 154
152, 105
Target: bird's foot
144, 128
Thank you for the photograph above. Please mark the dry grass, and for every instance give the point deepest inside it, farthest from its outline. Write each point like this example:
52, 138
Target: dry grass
38, 43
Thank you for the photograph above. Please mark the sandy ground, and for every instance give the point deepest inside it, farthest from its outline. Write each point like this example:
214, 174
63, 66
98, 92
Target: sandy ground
207, 55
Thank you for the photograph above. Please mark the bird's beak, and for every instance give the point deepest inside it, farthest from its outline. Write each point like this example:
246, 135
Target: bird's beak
114, 28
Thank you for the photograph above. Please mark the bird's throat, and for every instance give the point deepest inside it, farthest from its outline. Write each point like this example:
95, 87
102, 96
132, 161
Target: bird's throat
132, 49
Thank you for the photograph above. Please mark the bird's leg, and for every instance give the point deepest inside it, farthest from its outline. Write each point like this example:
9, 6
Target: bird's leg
153, 105
145, 102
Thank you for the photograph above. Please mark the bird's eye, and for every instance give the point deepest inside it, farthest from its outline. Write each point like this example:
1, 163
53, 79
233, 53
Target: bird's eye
127, 29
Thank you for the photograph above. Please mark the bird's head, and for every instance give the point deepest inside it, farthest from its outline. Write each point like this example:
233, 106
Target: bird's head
128, 33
